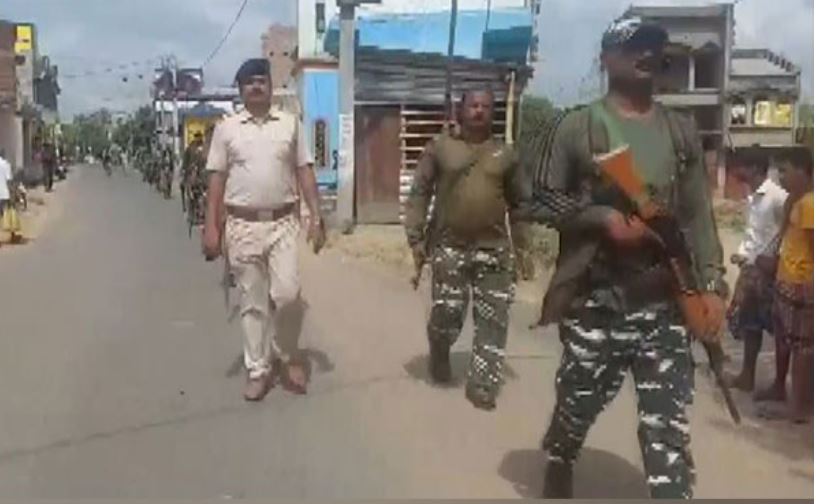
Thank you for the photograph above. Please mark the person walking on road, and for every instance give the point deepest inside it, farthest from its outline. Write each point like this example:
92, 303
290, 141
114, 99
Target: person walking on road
49, 164
476, 181
257, 159
612, 297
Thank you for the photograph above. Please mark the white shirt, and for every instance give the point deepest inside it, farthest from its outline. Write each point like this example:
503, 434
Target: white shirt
261, 157
5, 178
766, 212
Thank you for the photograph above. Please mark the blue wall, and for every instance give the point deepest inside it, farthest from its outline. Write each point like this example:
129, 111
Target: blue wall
320, 99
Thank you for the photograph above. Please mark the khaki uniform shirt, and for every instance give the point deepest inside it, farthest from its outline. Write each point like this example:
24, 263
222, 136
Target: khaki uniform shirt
260, 157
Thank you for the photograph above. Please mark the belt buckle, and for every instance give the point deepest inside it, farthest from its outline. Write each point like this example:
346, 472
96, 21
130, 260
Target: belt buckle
266, 215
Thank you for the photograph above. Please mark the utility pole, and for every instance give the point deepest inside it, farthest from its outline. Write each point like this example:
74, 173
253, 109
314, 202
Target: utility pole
345, 168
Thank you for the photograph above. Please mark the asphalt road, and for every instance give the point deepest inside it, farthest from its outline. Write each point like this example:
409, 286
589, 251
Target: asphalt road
119, 377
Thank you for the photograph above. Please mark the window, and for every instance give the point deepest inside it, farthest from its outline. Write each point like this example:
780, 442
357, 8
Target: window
763, 109
739, 112
783, 114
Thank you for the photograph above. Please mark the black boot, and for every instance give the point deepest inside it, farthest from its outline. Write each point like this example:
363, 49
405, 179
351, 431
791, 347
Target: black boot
439, 363
480, 396
558, 480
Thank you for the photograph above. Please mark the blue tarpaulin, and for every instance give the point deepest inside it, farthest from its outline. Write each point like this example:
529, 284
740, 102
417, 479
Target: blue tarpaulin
506, 38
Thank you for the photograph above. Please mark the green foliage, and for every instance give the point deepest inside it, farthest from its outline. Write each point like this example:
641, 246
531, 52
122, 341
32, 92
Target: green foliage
806, 115
90, 131
536, 113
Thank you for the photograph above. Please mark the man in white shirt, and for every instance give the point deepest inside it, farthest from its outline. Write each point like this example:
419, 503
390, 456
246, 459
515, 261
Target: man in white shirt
749, 314
5, 180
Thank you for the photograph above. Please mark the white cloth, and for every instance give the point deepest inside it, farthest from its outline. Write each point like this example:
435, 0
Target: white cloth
5, 179
766, 212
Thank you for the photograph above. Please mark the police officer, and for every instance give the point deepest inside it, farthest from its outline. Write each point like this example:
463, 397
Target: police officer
475, 181
257, 159
612, 319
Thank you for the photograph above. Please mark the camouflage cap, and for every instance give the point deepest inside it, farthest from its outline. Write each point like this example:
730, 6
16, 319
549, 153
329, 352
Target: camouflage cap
633, 32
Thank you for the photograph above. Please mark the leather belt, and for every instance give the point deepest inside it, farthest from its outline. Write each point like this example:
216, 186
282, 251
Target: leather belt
253, 214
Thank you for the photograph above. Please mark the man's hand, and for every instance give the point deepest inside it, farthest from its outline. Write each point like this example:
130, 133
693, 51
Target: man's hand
715, 317
211, 243
628, 232
418, 253
316, 234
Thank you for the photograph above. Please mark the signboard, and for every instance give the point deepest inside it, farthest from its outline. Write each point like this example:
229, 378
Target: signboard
24, 42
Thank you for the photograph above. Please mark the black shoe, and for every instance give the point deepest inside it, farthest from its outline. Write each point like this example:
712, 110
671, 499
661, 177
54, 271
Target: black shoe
481, 397
439, 363
558, 480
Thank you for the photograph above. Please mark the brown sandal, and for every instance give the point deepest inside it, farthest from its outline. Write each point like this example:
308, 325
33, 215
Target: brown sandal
294, 378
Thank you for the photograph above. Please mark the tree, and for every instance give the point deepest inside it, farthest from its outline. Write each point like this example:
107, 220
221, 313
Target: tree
536, 113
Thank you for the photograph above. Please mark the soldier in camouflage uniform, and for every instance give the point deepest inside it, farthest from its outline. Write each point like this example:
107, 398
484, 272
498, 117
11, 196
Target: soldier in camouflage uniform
610, 295
475, 181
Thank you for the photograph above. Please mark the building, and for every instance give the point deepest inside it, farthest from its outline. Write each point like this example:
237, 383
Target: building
28, 97
399, 94
763, 97
10, 123
279, 46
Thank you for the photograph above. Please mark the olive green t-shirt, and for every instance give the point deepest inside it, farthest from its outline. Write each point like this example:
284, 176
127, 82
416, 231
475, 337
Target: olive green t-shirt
571, 175
474, 186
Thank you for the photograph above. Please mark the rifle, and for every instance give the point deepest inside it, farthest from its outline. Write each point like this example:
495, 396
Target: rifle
618, 167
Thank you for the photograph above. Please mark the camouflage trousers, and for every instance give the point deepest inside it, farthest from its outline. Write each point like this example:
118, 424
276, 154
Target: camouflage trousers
488, 275
600, 347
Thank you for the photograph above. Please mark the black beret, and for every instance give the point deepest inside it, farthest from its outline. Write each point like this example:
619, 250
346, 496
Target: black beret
252, 68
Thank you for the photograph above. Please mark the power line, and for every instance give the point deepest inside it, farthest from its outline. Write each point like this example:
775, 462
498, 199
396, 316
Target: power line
226, 35
113, 69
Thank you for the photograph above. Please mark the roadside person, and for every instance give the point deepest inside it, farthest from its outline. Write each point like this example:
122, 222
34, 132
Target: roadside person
750, 312
257, 159
793, 299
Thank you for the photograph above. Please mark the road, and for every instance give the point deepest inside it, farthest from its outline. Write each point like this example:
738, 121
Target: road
119, 377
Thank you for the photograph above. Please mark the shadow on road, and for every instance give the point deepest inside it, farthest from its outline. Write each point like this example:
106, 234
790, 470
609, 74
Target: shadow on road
417, 368
795, 442
598, 474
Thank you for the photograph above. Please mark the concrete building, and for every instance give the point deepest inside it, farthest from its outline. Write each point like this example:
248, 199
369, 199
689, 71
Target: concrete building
763, 97
10, 123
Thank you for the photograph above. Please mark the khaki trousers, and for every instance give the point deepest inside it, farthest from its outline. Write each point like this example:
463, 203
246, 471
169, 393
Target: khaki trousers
263, 261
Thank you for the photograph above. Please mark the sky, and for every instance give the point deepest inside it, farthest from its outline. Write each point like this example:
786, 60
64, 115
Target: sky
91, 35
